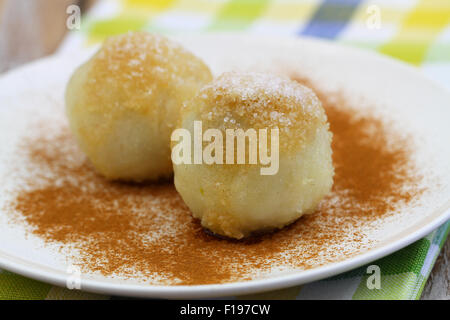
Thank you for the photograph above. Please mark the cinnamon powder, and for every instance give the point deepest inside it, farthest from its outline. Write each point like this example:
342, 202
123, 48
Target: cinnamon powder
147, 232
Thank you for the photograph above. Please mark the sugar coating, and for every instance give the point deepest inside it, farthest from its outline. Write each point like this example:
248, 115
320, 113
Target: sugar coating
236, 200
259, 100
139, 64
124, 102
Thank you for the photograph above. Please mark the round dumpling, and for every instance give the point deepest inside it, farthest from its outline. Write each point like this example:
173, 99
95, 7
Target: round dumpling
290, 176
124, 102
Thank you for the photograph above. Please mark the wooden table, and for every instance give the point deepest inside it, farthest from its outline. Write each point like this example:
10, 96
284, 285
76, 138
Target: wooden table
30, 29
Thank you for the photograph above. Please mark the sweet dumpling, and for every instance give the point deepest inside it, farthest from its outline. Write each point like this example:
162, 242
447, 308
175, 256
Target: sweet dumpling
288, 179
124, 102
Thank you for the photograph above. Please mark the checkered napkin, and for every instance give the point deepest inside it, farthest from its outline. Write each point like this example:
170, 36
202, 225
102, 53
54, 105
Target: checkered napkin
415, 31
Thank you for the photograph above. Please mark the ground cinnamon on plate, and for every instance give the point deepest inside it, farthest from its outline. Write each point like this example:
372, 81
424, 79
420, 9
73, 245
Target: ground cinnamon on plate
146, 232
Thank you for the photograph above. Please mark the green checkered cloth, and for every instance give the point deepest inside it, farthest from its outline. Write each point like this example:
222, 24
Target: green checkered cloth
415, 31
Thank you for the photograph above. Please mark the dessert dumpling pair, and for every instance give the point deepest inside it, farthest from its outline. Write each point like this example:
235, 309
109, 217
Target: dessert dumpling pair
124, 104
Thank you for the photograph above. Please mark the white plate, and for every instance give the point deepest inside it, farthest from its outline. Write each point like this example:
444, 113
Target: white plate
402, 92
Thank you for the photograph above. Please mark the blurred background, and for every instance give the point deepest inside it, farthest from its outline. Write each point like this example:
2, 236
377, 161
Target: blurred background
414, 31
30, 29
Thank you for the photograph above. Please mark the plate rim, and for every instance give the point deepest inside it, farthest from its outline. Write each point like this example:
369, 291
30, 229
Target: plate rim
232, 288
